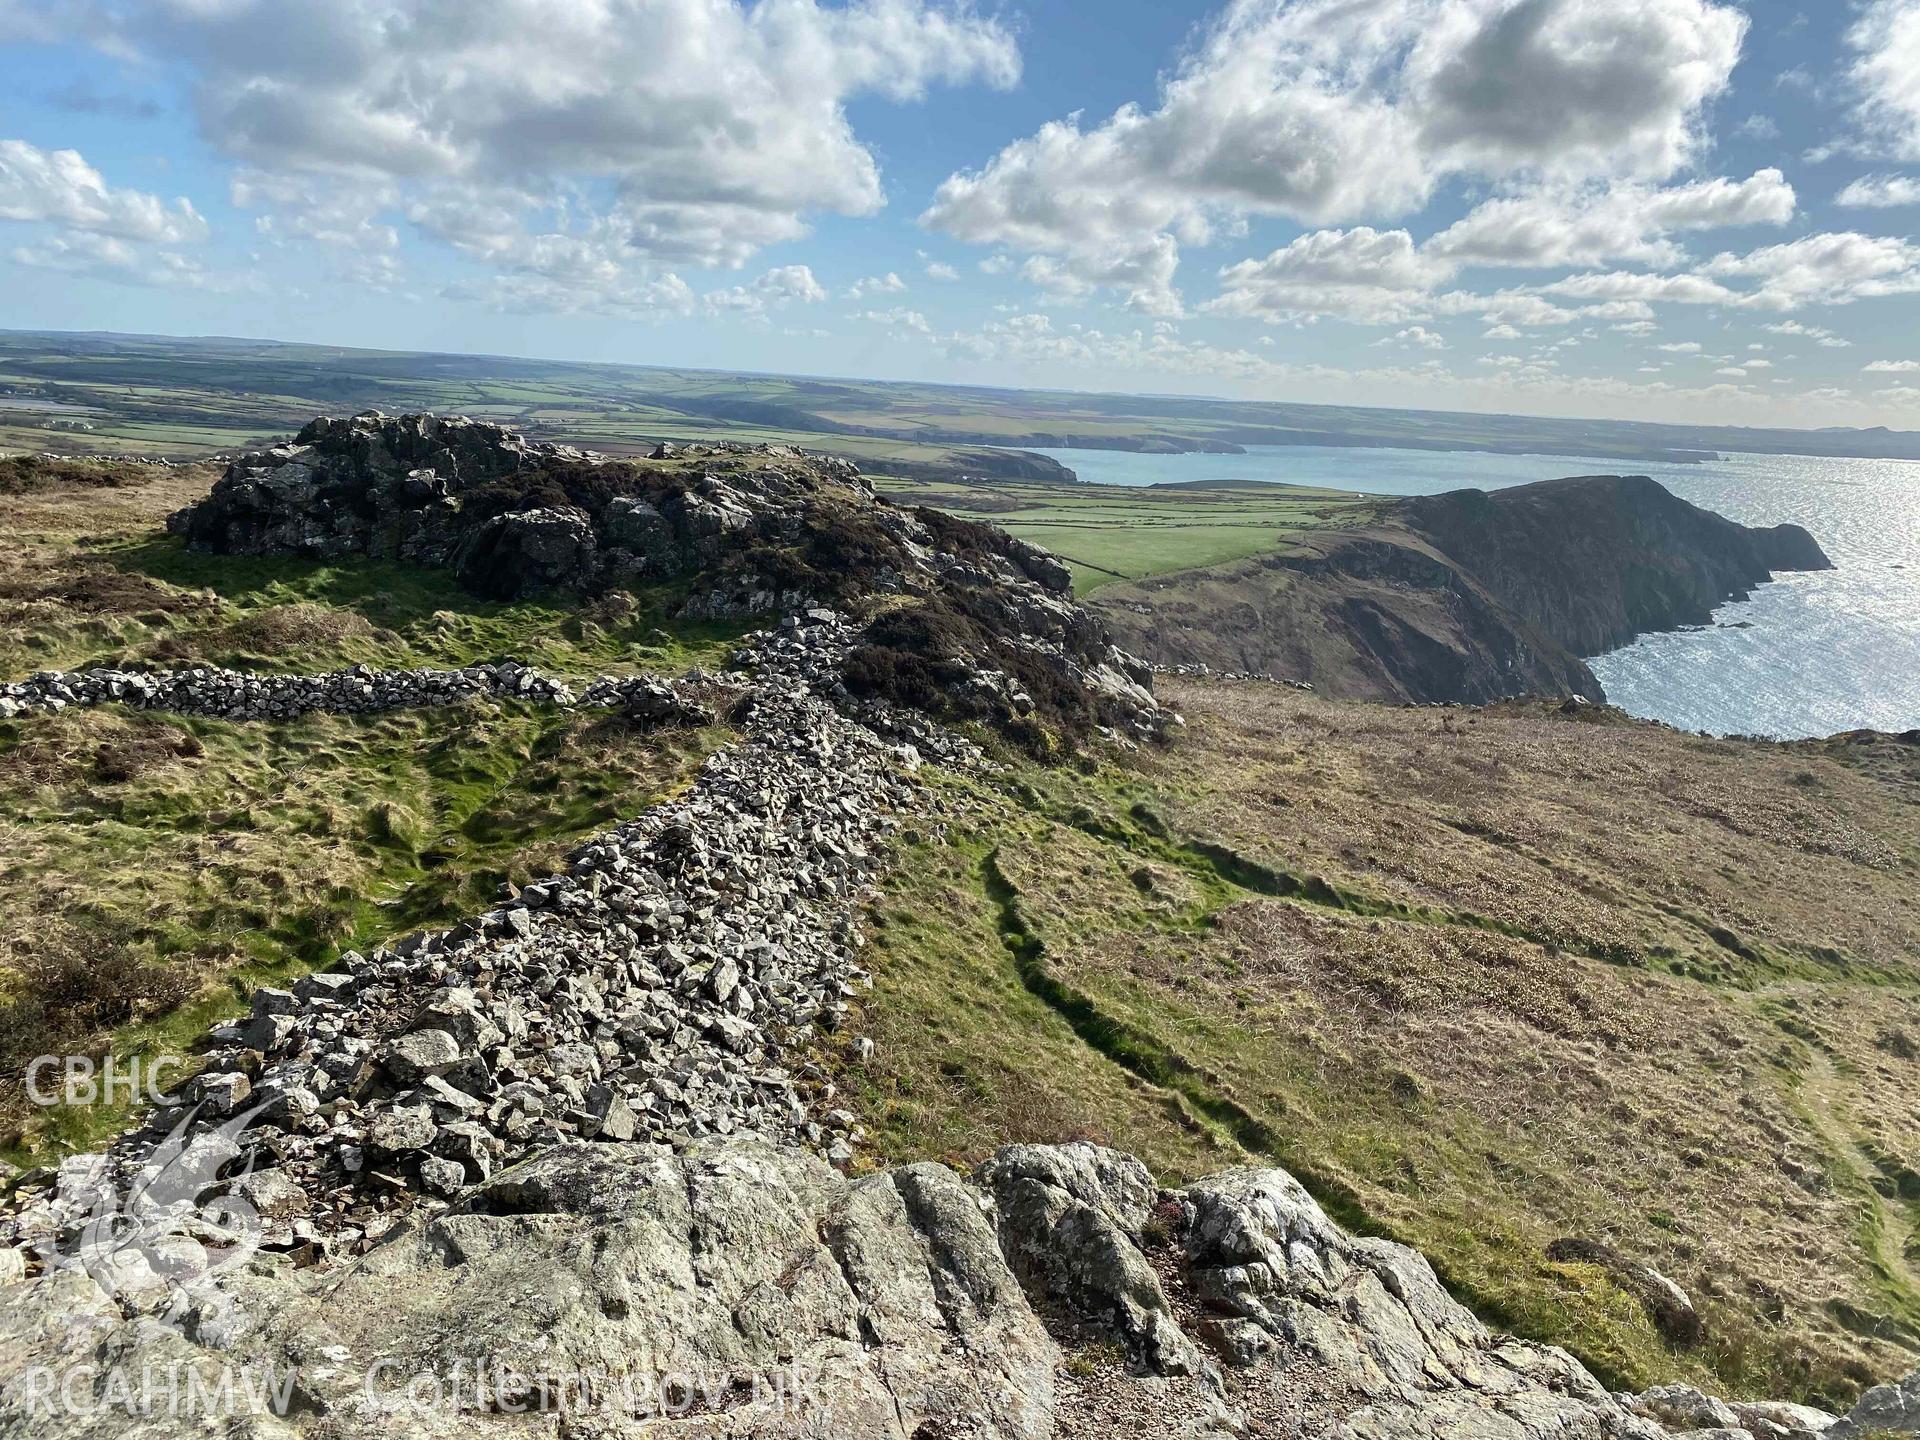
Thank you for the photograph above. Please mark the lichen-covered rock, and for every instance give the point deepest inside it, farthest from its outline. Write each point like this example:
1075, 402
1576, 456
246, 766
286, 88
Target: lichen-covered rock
1891, 1408
747, 1289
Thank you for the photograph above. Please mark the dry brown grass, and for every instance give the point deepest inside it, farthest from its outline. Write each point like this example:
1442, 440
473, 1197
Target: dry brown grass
1487, 980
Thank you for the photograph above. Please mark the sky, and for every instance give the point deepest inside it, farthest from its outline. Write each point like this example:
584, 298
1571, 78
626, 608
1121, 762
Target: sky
1685, 210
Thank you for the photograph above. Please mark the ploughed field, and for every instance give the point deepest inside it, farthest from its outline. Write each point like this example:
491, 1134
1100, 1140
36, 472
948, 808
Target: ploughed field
1486, 979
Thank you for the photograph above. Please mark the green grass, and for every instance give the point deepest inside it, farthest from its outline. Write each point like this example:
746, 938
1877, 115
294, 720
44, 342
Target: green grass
294, 615
1109, 533
236, 854
1073, 961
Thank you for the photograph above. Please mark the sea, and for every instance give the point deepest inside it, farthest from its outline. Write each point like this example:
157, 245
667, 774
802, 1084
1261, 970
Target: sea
1806, 655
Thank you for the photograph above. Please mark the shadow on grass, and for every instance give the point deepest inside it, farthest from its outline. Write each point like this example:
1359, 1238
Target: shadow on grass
387, 594
407, 599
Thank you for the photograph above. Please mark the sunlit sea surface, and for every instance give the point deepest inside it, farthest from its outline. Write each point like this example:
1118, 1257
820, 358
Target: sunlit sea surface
1809, 654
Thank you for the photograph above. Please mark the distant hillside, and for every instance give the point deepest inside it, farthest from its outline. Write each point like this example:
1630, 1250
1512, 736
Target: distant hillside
1468, 596
189, 396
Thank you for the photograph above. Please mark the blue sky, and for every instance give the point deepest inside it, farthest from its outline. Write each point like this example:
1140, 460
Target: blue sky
1660, 209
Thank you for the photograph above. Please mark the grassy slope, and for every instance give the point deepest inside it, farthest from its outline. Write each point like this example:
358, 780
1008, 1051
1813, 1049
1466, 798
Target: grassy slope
156, 868
1485, 981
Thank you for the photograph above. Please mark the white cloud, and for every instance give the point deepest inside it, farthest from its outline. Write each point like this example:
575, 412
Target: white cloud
940, 270
1886, 75
1329, 110
105, 257
1416, 335
1880, 192
1825, 269
535, 294
775, 290
1143, 276
887, 284
1554, 229
1815, 333
899, 319
636, 136
1892, 367
1653, 289
1372, 276
1502, 332
1683, 347
59, 187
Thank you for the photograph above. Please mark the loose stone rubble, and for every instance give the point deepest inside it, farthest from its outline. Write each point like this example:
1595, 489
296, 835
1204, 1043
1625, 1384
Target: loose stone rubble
238, 695
1200, 670
657, 989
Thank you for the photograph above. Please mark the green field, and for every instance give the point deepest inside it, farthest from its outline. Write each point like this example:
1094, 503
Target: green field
1107, 533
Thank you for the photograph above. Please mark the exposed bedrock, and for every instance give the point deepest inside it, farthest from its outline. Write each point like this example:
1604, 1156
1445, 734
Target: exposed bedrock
750, 1289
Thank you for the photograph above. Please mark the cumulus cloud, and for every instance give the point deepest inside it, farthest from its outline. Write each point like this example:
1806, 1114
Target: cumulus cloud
887, 284
899, 319
775, 290
59, 187
1554, 229
1892, 367
106, 257
1819, 336
1886, 75
1329, 110
1880, 192
1649, 289
642, 136
1363, 274
1826, 269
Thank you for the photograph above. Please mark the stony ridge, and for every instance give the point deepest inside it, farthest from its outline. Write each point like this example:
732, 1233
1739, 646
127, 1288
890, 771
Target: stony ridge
655, 989
237, 695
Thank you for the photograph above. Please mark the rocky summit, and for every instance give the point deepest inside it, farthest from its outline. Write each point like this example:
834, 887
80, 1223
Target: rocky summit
960, 617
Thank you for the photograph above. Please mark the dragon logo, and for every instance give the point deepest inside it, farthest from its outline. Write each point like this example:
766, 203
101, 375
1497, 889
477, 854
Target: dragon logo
155, 1242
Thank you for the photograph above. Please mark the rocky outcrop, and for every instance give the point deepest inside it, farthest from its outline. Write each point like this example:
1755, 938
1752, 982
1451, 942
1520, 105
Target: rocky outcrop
1461, 598
736, 1287
965, 621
